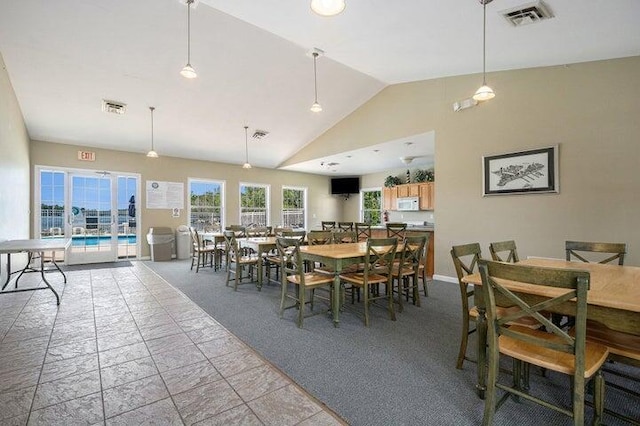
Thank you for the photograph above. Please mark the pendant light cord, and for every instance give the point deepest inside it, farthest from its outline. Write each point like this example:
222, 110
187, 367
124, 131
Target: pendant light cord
152, 108
484, 42
315, 76
189, 31
246, 145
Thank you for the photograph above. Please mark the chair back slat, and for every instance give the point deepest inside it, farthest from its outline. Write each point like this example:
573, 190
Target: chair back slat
343, 237
328, 225
575, 284
498, 250
413, 252
345, 226
290, 259
381, 253
315, 238
363, 231
397, 230
239, 231
300, 235
617, 251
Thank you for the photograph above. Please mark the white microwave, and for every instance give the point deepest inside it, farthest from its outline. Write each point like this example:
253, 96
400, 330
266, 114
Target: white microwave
408, 204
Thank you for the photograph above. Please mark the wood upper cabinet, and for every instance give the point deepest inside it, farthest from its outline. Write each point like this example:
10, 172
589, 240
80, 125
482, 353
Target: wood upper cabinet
389, 196
426, 196
424, 191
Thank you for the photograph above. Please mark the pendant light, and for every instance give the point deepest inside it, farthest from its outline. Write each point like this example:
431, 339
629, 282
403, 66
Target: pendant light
328, 7
316, 107
484, 93
246, 164
188, 71
152, 153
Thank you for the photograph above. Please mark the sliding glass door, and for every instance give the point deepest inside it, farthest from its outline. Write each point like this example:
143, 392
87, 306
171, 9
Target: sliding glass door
97, 210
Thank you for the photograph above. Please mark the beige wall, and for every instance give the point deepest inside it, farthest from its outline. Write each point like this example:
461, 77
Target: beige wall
590, 110
14, 164
320, 203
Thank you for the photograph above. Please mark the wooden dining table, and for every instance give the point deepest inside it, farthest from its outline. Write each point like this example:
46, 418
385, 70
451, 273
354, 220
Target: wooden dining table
613, 299
337, 257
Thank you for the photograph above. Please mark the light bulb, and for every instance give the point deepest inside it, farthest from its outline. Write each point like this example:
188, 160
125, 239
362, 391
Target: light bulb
188, 72
484, 93
328, 7
316, 107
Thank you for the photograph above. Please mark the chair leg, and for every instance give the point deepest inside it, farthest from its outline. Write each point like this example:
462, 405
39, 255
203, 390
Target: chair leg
490, 394
301, 302
598, 398
283, 296
392, 310
400, 281
366, 306
463, 341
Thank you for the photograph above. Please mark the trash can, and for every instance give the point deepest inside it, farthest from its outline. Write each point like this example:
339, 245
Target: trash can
160, 240
183, 240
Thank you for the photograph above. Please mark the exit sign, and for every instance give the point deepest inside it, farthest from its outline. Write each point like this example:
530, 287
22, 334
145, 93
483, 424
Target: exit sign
86, 156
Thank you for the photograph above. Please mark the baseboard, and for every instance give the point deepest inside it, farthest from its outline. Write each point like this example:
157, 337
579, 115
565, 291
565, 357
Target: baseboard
445, 278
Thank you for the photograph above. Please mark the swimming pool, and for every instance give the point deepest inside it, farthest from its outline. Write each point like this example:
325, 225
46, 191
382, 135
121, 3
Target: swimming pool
94, 240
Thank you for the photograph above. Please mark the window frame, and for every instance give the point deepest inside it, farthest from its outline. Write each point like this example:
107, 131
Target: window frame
362, 209
222, 184
267, 203
305, 209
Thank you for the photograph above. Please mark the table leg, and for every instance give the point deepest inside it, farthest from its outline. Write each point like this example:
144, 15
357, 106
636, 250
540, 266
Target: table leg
45, 279
481, 328
259, 269
6, 282
29, 258
335, 302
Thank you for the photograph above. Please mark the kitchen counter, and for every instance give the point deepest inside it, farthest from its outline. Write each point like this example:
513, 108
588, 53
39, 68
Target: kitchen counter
417, 228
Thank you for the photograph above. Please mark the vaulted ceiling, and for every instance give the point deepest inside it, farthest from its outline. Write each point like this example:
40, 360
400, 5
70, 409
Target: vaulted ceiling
253, 66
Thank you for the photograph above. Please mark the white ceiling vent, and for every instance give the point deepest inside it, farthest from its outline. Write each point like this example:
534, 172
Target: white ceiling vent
114, 107
529, 13
260, 134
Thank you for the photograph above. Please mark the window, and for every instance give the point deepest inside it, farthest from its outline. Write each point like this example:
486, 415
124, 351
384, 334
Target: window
206, 205
294, 201
371, 206
254, 204
52, 202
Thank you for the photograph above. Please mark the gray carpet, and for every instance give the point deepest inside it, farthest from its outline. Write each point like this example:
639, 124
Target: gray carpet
392, 373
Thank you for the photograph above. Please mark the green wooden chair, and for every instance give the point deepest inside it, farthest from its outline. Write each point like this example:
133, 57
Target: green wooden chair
465, 260
504, 251
345, 226
201, 254
379, 258
397, 230
303, 282
328, 225
344, 237
237, 262
363, 231
406, 272
553, 349
576, 249
272, 261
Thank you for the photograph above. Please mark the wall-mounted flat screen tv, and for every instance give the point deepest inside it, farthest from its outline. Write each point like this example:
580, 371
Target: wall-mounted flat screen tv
346, 185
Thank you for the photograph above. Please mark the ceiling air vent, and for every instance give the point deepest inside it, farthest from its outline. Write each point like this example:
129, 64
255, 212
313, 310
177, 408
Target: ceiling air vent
114, 107
526, 14
260, 134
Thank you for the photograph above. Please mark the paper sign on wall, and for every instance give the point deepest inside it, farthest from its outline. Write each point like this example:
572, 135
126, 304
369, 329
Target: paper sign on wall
165, 195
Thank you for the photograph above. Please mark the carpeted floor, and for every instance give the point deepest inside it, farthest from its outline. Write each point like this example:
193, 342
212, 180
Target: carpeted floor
392, 373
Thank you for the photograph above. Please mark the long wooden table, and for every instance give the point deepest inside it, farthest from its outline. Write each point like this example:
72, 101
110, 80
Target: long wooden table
336, 257
31, 247
613, 300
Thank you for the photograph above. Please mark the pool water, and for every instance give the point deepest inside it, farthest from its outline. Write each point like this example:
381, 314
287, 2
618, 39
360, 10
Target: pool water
94, 240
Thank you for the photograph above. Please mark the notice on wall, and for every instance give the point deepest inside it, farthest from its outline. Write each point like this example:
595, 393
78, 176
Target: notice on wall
165, 195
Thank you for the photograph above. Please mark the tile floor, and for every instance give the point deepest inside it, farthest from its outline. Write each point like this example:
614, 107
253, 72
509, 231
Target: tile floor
123, 348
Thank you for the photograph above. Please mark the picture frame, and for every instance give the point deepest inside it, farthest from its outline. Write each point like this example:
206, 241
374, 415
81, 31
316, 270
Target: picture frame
533, 171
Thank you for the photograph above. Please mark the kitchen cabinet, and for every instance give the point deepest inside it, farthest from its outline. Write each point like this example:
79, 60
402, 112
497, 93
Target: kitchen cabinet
426, 196
389, 196
424, 191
